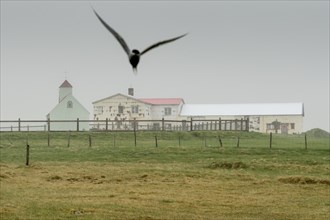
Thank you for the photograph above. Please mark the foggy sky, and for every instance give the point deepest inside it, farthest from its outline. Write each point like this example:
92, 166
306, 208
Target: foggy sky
235, 52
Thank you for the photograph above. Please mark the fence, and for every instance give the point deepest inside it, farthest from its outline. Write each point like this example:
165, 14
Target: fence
215, 141
126, 125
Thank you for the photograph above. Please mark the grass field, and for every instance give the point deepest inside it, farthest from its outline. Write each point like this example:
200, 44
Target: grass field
190, 177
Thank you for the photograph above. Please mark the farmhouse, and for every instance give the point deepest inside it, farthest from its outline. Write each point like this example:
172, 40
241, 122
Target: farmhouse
285, 118
121, 107
68, 108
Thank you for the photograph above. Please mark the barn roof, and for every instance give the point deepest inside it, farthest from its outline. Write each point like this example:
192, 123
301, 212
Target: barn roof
243, 109
163, 101
66, 84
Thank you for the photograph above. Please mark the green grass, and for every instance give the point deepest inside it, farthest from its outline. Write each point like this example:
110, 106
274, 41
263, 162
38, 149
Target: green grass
196, 180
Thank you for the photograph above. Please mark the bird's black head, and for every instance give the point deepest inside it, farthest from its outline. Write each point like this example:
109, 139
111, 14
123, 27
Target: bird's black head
136, 51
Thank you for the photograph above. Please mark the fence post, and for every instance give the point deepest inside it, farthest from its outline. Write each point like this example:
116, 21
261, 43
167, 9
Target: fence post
48, 123
270, 140
106, 124
305, 141
114, 139
19, 124
77, 124
237, 141
219, 124
163, 124
247, 124
27, 138
191, 124
90, 140
48, 139
156, 141
27, 154
241, 124
179, 140
69, 134
134, 125
220, 141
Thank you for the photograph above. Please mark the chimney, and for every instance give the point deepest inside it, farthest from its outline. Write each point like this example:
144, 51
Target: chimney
131, 91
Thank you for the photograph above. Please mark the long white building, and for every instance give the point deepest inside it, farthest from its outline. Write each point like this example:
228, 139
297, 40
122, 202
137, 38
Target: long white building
285, 118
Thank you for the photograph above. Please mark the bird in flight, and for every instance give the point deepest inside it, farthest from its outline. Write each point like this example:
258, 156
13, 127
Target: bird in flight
134, 55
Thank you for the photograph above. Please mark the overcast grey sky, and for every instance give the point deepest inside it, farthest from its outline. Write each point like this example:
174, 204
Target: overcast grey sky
235, 52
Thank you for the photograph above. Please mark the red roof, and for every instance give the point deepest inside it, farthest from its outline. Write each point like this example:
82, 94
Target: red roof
66, 84
163, 101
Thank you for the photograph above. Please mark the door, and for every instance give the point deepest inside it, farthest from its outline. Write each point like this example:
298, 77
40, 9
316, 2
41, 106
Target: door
284, 128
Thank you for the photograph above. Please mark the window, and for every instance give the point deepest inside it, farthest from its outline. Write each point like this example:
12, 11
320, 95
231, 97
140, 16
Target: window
98, 110
270, 127
168, 111
292, 125
69, 104
120, 109
135, 109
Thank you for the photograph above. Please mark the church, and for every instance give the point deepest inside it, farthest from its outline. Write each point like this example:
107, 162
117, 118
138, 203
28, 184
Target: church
68, 108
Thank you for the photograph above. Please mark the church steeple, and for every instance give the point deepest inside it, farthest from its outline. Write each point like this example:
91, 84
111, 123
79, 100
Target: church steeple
65, 90
65, 84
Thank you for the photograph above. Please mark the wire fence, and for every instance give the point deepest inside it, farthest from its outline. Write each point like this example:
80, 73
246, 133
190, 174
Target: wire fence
207, 139
212, 141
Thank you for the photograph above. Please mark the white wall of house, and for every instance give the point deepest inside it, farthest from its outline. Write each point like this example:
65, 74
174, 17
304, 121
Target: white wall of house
169, 112
121, 107
131, 108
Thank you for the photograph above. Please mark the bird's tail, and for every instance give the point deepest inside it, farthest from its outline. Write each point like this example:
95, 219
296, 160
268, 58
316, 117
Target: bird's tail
135, 70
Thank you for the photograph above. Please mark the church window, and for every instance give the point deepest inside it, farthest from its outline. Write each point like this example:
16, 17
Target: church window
69, 104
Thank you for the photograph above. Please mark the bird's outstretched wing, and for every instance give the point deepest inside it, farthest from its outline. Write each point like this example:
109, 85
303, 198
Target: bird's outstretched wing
115, 34
162, 42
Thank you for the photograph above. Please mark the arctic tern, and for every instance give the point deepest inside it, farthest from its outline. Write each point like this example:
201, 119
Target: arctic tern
134, 55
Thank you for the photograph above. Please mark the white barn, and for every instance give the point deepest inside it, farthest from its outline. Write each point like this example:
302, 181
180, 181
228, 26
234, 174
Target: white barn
68, 108
285, 118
